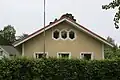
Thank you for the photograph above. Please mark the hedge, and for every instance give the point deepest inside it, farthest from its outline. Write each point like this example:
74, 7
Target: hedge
59, 69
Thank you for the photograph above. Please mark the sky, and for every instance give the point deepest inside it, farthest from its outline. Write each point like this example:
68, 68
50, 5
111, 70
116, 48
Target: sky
27, 15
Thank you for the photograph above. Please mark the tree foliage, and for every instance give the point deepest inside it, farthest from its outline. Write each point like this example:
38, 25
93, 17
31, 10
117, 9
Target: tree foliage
3, 41
112, 5
110, 52
109, 39
8, 33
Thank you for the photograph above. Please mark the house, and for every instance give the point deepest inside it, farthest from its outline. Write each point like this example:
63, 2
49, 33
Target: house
8, 51
63, 38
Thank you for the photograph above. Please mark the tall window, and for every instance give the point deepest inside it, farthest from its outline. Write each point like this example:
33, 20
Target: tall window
64, 34
86, 55
71, 34
56, 34
40, 54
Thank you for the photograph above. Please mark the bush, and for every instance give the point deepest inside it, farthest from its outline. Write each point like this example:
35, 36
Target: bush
59, 69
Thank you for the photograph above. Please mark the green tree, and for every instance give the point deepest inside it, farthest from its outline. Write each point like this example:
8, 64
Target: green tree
109, 39
8, 33
110, 52
112, 5
3, 41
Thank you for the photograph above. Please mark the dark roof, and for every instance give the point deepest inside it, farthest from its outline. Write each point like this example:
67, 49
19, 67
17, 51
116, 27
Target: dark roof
10, 49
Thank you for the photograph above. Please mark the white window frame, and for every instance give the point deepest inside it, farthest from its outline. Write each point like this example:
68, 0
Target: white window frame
74, 33
40, 53
64, 53
53, 34
92, 55
61, 34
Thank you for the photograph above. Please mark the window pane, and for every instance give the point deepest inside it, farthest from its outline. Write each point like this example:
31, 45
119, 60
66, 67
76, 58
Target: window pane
63, 55
71, 35
40, 55
64, 34
56, 34
87, 56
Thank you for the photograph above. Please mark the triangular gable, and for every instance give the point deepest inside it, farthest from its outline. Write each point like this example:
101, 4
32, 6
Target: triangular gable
69, 21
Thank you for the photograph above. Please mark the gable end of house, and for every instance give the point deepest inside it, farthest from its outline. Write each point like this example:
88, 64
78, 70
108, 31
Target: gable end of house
70, 20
